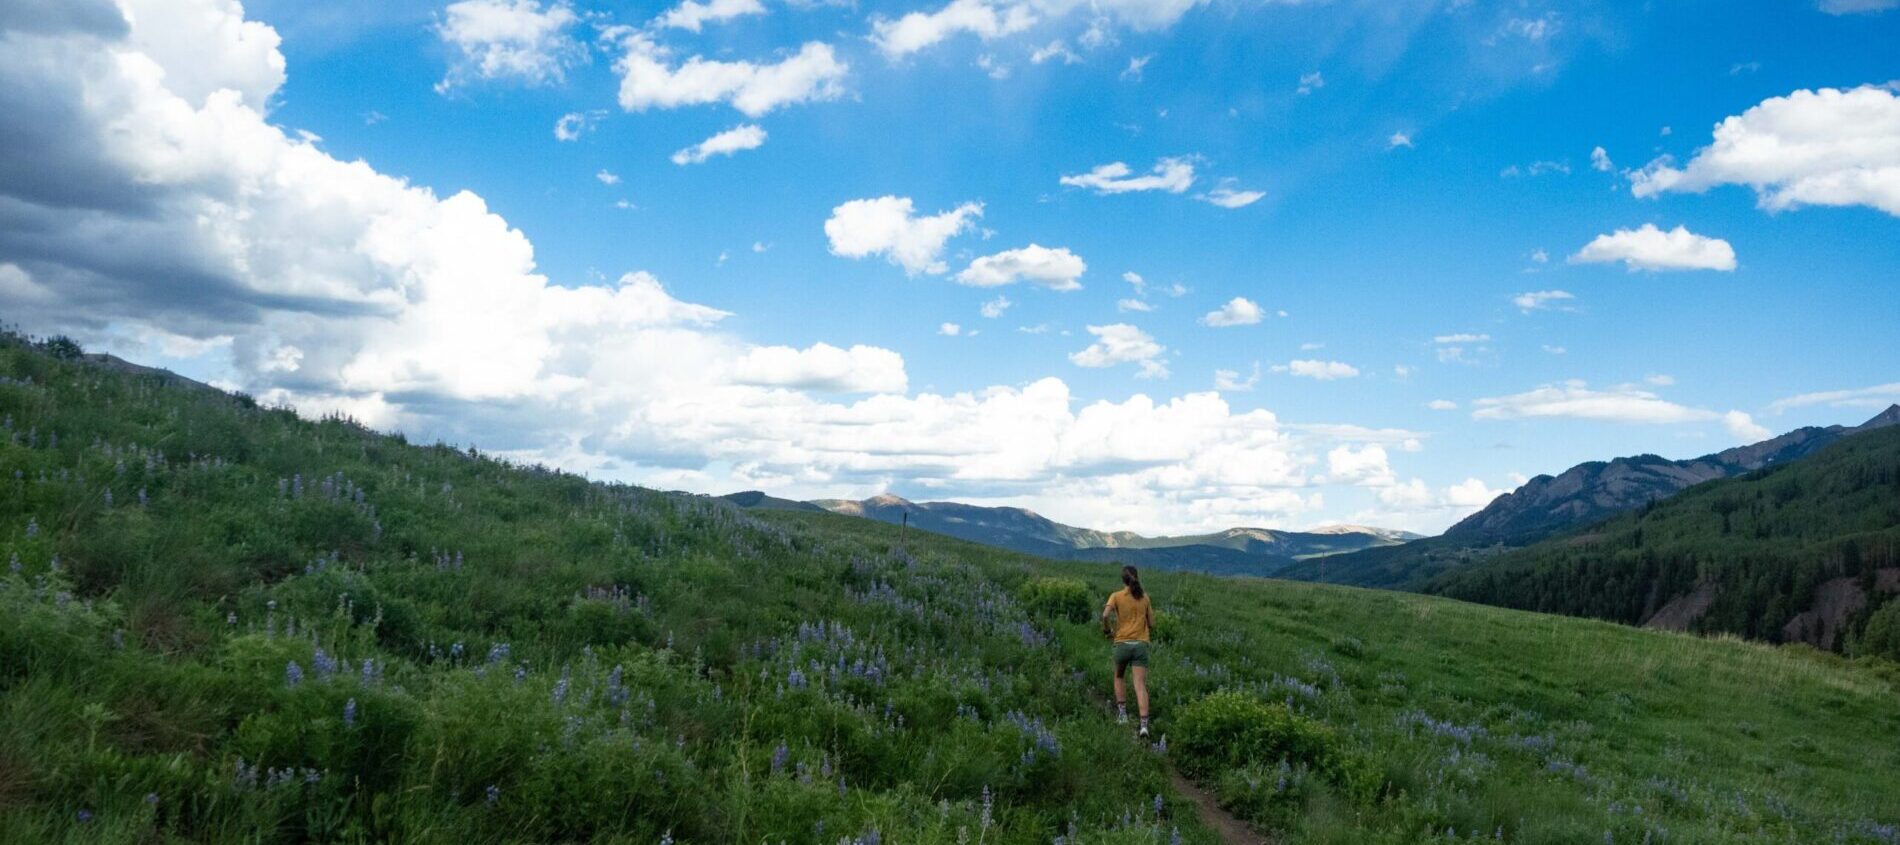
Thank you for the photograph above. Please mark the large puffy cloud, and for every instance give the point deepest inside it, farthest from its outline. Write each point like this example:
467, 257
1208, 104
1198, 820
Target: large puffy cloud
1054, 268
189, 230
1825, 147
1650, 248
1121, 343
499, 39
1174, 175
890, 226
814, 73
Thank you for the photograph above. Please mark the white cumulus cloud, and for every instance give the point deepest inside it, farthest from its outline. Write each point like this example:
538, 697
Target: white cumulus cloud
1811, 147
1542, 300
517, 40
648, 80
1318, 370
1174, 175
1121, 343
889, 226
1231, 380
1239, 311
1226, 195
1056, 269
691, 15
746, 136
918, 30
1650, 248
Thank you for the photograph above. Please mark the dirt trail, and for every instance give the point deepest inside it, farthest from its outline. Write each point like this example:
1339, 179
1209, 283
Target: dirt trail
1231, 830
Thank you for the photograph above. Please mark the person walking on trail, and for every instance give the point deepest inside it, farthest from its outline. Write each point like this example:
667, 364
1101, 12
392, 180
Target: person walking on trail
1126, 620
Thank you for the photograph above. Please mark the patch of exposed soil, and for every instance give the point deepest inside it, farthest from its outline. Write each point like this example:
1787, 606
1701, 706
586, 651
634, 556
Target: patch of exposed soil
1835, 601
1684, 610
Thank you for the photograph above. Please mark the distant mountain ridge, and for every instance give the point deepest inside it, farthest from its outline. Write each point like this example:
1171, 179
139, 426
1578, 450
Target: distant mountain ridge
1800, 550
1550, 504
1235, 551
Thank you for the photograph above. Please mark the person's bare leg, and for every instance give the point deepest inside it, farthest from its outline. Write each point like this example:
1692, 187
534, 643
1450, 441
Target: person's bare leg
1141, 690
1121, 694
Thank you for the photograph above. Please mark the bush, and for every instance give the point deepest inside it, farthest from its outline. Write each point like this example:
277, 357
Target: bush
1881, 637
1167, 626
1057, 598
1230, 729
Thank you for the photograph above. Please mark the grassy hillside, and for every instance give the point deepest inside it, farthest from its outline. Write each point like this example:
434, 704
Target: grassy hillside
225, 624
228, 624
1481, 719
1761, 546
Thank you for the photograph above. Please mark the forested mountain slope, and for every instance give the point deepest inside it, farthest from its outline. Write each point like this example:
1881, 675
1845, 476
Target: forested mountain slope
1548, 505
1803, 551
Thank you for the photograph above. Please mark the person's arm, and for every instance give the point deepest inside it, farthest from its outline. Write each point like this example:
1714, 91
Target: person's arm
1108, 609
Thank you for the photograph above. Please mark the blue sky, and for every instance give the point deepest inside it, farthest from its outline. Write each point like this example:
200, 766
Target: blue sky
1443, 284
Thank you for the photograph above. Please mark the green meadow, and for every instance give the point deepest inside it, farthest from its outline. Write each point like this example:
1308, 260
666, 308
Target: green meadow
222, 623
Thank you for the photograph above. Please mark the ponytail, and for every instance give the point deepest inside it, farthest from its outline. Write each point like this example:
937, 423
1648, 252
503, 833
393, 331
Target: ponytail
1132, 580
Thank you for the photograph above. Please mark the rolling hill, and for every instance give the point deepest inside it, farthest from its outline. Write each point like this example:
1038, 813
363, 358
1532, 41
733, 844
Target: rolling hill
1548, 505
1802, 550
224, 623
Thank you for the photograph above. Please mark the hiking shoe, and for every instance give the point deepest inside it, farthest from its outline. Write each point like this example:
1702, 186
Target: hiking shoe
1121, 718
1143, 733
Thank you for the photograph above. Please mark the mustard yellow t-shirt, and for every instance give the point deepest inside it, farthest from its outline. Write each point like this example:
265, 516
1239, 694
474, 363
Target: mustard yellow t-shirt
1133, 616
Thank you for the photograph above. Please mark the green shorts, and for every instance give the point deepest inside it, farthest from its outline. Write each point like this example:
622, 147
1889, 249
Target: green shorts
1130, 653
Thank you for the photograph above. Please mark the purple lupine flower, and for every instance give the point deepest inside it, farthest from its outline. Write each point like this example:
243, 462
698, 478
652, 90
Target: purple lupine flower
14, 564
324, 664
494, 794
143, 501
151, 799
84, 816
1174, 836
988, 802
108, 498
1157, 805
293, 674
349, 713
32, 528
779, 756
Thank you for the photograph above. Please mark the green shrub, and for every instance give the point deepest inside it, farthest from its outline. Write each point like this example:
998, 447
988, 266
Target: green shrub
1057, 598
1167, 626
1881, 637
1230, 729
